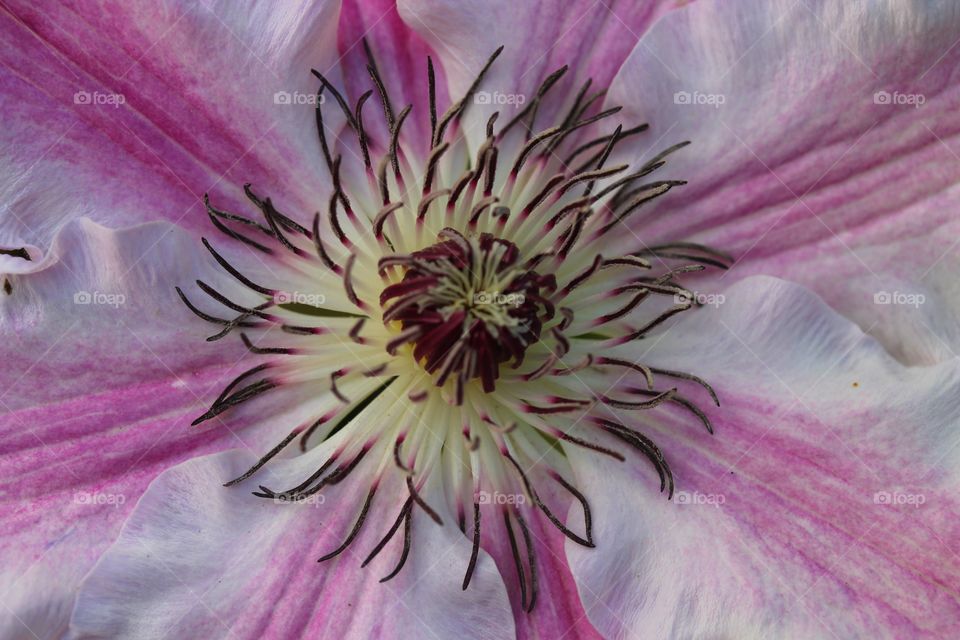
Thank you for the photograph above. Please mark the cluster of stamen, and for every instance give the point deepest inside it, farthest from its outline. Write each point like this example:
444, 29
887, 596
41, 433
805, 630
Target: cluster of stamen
467, 306
475, 300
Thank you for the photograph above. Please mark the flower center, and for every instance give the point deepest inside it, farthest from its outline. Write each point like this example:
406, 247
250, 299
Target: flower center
468, 305
509, 272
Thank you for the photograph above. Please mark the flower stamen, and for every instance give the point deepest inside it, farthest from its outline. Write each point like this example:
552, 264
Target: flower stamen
482, 325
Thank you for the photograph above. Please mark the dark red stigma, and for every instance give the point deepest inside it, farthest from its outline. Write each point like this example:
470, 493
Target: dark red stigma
468, 306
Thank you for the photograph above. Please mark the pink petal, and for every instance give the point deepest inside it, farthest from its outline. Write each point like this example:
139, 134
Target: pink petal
558, 611
594, 38
401, 57
130, 112
103, 370
799, 173
196, 558
824, 506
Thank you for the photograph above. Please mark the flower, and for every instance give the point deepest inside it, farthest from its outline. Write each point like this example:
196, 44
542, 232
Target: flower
830, 458
473, 327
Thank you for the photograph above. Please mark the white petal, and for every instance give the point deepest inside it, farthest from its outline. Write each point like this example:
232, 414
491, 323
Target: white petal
824, 506
198, 558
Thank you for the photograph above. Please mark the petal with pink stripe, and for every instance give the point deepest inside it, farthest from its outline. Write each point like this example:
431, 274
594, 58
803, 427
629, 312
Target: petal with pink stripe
824, 150
198, 558
825, 505
129, 112
103, 371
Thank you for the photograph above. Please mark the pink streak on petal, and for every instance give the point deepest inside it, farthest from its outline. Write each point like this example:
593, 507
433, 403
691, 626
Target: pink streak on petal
559, 611
593, 38
800, 173
401, 56
97, 399
816, 422
254, 562
198, 114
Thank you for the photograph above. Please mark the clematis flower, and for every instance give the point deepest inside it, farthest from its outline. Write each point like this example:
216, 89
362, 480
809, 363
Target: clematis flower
457, 336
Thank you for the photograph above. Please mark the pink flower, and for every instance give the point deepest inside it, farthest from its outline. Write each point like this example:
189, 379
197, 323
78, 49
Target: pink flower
487, 392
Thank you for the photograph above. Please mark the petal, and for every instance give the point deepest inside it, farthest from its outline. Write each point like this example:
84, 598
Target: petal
103, 371
824, 506
132, 112
198, 558
401, 57
594, 38
558, 611
801, 166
